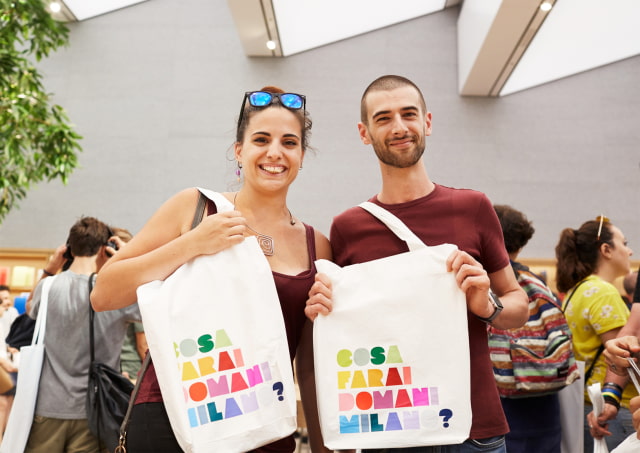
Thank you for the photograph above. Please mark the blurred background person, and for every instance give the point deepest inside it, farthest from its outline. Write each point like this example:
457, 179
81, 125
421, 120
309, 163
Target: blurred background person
589, 259
60, 421
534, 420
629, 286
8, 314
135, 345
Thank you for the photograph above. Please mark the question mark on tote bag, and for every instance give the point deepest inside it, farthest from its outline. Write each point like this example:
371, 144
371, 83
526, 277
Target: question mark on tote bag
446, 414
278, 387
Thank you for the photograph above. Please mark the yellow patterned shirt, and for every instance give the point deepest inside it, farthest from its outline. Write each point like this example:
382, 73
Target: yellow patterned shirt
594, 309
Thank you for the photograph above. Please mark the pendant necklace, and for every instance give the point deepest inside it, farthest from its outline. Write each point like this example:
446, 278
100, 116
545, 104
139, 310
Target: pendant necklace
265, 241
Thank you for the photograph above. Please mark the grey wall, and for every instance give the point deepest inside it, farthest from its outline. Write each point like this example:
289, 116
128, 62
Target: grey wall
155, 90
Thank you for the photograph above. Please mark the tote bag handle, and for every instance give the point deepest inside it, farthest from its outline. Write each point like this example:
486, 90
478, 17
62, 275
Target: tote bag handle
41, 320
394, 224
222, 204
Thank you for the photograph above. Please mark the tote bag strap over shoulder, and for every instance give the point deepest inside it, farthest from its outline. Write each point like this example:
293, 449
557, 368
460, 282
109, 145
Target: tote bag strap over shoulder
222, 204
394, 224
41, 320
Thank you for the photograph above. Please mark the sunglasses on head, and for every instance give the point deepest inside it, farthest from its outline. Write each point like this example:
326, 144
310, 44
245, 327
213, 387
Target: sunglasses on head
292, 101
602, 219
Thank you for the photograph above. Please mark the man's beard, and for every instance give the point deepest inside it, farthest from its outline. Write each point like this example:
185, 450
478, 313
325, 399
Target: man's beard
403, 160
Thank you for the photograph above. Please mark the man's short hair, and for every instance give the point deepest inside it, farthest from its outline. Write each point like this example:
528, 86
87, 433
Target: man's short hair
86, 236
4, 288
388, 83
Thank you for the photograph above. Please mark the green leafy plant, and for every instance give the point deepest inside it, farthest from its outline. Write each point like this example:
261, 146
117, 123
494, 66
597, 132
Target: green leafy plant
37, 142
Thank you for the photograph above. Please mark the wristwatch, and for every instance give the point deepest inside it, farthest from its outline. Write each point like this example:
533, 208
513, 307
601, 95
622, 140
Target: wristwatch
497, 308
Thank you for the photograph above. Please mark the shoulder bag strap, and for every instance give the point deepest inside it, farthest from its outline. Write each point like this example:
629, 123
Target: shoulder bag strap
394, 224
197, 218
200, 208
566, 303
91, 316
587, 375
134, 394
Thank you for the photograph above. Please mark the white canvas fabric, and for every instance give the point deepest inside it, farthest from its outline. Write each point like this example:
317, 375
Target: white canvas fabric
24, 403
392, 358
218, 343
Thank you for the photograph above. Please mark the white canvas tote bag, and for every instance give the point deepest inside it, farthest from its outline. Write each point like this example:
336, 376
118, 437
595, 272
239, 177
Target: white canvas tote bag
392, 358
572, 414
218, 343
24, 403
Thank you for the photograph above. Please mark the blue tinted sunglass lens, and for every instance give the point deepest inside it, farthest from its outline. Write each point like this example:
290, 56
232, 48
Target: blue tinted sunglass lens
260, 98
292, 101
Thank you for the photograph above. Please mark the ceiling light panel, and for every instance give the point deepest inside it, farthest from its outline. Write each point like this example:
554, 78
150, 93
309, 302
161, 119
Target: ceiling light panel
304, 25
84, 9
578, 35
256, 26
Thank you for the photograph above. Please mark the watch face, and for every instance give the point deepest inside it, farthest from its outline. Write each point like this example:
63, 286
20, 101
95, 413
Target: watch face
497, 304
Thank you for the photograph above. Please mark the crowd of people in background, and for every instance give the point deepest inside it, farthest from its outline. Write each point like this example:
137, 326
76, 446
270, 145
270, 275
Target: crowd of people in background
8, 355
272, 136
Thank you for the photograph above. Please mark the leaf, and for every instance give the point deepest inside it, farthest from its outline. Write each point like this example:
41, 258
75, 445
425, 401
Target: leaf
37, 142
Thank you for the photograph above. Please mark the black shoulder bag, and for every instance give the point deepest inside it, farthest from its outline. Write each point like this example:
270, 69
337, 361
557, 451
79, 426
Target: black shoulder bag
107, 395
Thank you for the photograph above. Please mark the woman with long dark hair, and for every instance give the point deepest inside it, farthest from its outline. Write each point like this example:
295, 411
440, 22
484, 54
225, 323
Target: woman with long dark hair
271, 139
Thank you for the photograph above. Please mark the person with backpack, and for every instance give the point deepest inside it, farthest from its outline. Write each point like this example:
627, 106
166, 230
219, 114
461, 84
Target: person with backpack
533, 362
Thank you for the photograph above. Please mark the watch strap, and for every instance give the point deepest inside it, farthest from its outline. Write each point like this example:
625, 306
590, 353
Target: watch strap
497, 305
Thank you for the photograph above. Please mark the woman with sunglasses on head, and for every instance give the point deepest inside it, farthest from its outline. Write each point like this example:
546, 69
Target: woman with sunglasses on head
589, 259
272, 135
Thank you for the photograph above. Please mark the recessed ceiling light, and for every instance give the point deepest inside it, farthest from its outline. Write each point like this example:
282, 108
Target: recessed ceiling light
271, 45
545, 6
55, 7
